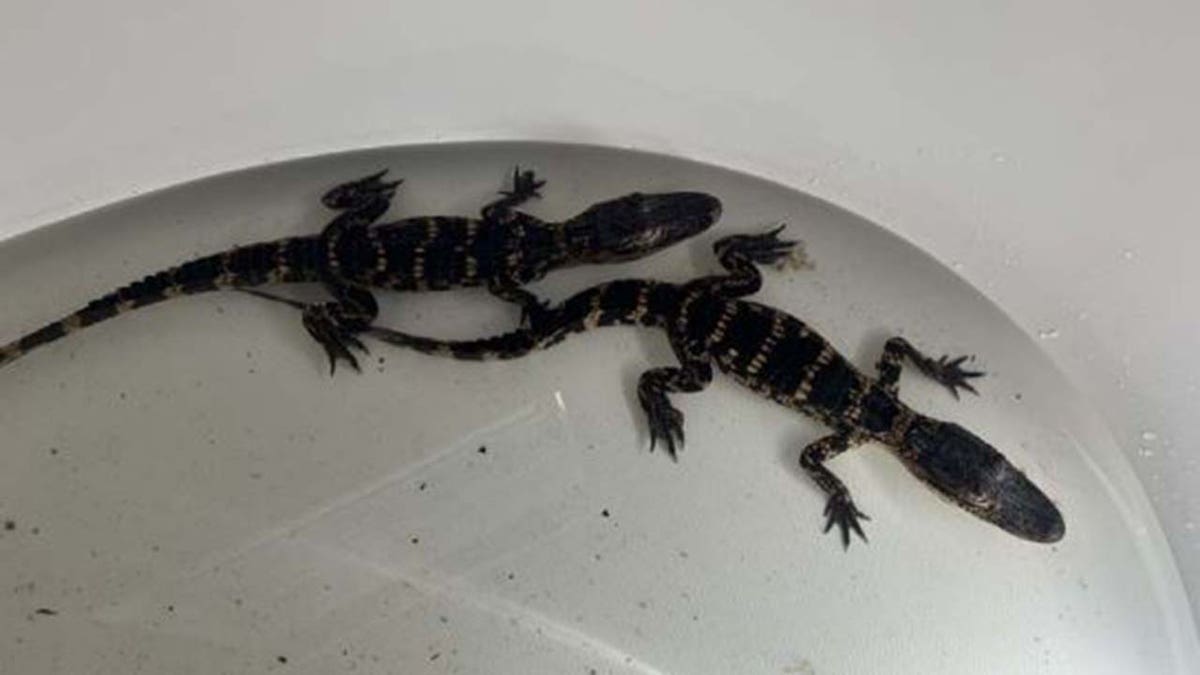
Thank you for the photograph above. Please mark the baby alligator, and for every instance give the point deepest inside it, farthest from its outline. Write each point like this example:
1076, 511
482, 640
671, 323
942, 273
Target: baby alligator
785, 360
502, 250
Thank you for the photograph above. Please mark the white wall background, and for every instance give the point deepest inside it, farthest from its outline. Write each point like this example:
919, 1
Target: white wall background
1046, 151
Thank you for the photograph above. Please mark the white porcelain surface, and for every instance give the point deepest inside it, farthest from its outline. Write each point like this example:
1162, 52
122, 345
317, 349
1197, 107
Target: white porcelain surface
1047, 152
191, 492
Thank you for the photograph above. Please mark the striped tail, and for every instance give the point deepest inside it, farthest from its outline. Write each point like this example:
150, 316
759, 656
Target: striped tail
623, 302
242, 267
507, 346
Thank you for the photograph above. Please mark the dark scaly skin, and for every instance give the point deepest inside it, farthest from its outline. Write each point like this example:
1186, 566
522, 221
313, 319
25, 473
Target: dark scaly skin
502, 249
783, 359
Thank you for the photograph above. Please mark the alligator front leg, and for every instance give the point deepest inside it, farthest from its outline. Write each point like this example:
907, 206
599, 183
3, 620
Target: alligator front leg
517, 271
839, 509
741, 254
945, 371
526, 186
665, 420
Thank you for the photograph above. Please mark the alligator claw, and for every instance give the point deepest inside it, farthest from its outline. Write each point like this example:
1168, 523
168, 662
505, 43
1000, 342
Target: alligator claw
950, 373
525, 186
764, 249
841, 511
666, 423
355, 193
323, 325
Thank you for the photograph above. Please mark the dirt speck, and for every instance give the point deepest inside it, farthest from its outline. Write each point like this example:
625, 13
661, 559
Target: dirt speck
804, 667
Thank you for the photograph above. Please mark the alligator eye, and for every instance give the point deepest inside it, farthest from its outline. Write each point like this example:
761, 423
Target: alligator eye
647, 238
979, 501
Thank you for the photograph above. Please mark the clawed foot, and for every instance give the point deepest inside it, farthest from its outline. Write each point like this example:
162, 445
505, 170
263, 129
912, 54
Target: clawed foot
356, 193
324, 323
525, 186
949, 373
841, 511
666, 423
763, 249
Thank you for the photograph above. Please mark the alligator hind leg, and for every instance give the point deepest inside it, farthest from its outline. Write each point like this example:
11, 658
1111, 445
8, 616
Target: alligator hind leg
331, 326
526, 186
839, 509
944, 370
323, 323
334, 324
353, 195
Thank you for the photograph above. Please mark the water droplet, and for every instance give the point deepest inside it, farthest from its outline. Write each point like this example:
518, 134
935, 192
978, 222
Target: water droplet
1149, 436
1127, 254
1145, 452
1048, 333
956, 265
999, 157
1189, 525
1083, 316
